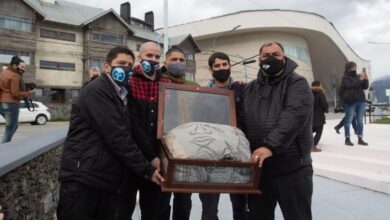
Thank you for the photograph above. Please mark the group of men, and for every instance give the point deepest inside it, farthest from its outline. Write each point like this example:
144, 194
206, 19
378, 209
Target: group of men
111, 150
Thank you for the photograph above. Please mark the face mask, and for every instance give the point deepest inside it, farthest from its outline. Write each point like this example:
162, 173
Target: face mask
221, 75
150, 67
177, 69
121, 75
93, 77
353, 72
20, 71
271, 65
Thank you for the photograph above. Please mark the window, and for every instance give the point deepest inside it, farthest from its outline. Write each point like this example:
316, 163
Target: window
15, 23
108, 37
298, 53
6, 56
138, 47
58, 35
189, 76
190, 56
58, 95
96, 63
57, 65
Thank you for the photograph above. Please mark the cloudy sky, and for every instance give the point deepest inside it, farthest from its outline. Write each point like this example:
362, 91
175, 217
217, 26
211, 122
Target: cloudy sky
358, 21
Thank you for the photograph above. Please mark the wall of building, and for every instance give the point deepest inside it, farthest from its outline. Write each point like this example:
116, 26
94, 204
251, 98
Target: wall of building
49, 49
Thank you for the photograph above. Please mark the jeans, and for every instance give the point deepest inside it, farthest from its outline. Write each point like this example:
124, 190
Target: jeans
350, 110
292, 191
342, 122
10, 112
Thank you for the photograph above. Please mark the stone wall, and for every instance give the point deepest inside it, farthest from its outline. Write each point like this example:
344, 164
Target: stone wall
30, 192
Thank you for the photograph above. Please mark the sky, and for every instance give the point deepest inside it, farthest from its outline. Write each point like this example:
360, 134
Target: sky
358, 21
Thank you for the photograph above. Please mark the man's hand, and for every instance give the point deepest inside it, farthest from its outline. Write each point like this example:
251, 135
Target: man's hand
157, 178
156, 163
260, 154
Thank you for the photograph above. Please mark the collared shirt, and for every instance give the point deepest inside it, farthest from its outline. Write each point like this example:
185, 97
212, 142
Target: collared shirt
121, 91
212, 84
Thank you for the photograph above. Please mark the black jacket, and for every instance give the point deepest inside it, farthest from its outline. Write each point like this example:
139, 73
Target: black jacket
352, 89
277, 114
320, 107
100, 147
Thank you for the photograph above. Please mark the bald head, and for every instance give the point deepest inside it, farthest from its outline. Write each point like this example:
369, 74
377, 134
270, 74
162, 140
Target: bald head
149, 51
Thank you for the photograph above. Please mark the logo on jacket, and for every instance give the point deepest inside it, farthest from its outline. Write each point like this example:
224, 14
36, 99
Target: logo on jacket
118, 74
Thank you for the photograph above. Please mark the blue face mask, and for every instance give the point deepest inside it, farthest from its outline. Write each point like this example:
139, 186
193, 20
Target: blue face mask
149, 67
121, 75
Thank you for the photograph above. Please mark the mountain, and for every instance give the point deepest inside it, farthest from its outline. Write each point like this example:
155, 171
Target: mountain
379, 87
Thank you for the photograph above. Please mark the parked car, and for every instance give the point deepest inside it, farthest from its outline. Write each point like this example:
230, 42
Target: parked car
39, 116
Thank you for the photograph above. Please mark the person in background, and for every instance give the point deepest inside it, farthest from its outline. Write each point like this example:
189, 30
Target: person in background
94, 72
354, 99
320, 107
10, 96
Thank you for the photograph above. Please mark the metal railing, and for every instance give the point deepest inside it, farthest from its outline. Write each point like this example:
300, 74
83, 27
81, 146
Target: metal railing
370, 112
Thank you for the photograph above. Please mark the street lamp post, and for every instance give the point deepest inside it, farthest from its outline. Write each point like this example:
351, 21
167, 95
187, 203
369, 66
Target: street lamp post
224, 34
244, 64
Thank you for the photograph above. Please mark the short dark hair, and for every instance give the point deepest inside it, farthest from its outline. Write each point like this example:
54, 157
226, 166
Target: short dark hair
315, 83
16, 60
271, 43
349, 65
218, 55
113, 53
174, 49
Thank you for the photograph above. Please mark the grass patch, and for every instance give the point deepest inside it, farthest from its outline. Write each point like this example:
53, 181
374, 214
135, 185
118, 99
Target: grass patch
383, 121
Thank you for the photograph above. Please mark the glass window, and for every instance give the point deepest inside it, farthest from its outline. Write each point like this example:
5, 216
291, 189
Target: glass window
298, 53
15, 23
190, 56
22, 105
56, 65
6, 56
97, 63
58, 35
108, 37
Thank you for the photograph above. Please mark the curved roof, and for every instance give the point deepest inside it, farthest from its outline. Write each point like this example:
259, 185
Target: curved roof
273, 20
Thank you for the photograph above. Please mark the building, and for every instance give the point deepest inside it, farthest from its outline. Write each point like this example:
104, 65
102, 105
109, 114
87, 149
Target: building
60, 41
308, 38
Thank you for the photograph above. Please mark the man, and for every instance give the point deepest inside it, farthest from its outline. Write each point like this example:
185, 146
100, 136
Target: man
144, 86
99, 152
219, 68
277, 117
94, 73
175, 69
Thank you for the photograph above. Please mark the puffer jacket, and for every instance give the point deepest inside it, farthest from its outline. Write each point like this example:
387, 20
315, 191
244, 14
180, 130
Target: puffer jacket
277, 114
352, 88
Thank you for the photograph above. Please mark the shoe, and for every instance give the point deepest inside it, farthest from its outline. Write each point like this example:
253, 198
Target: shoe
361, 142
315, 149
337, 130
348, 141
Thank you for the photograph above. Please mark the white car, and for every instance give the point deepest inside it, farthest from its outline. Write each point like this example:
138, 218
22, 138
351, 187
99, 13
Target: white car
39, 116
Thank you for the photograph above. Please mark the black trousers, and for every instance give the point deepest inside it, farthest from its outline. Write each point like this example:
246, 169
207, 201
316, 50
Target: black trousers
149, 197
210, 203
293, 193
80, 202
182, 205
318, 133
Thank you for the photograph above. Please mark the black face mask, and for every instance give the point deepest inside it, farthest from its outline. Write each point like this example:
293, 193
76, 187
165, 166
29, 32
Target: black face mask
271, 66
353, 72
221, 75
20, 71
93, 78
121, 75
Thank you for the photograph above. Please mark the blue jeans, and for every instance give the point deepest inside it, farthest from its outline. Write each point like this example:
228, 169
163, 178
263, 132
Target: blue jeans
10, 112
350, 110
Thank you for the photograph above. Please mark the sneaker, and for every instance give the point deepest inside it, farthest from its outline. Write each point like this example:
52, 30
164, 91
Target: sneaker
337, 130
348, 141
